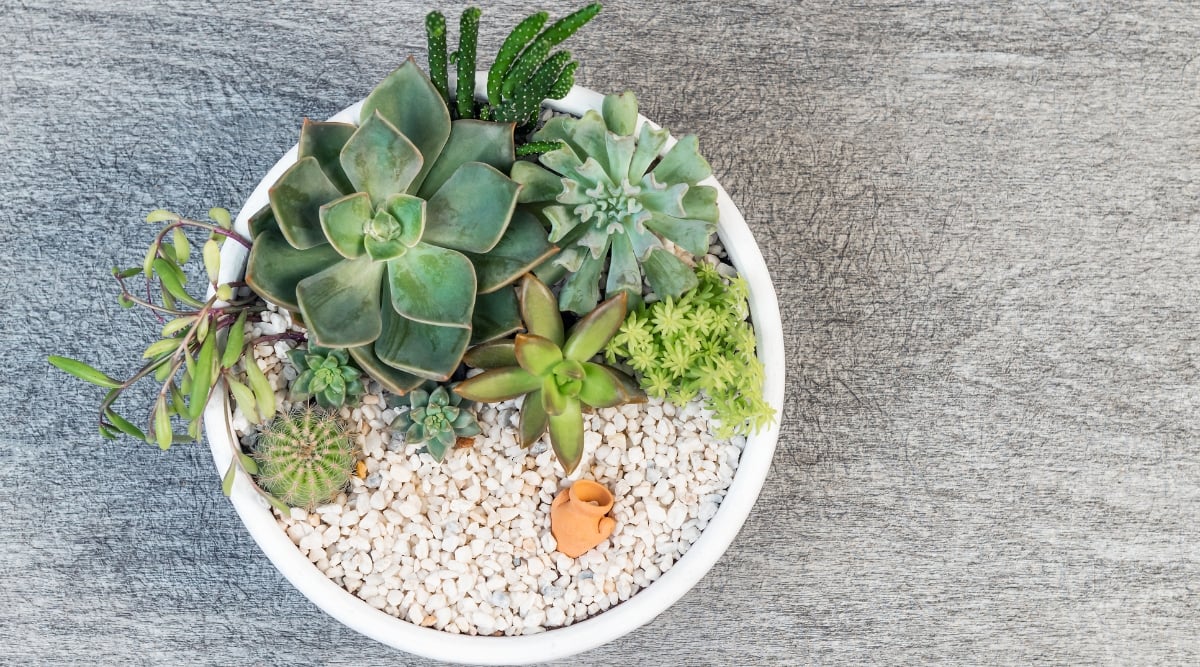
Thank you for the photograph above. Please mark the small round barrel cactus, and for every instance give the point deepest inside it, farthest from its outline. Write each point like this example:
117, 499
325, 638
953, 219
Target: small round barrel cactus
305, 458
436, 418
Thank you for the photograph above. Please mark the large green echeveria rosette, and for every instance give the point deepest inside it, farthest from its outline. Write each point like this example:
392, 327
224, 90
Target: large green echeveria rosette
381, 235
607, 194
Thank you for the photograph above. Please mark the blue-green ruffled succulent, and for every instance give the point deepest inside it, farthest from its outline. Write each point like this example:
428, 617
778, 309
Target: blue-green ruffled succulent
607, 194
438, 419
393, 239
327, 375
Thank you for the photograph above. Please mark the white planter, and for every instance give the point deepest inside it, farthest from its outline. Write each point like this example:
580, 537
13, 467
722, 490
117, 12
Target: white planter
581, 636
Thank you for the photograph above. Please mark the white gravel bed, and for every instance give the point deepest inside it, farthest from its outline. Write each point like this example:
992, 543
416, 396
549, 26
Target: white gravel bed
465, 546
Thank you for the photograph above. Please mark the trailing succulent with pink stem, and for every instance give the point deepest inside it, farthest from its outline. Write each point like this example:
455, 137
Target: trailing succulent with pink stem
553, 370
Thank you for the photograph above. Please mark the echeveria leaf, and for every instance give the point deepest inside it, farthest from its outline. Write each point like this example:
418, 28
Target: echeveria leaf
496, 315
700, 203
533, 418
539, 185
412, 104
691, 235
380, 160
275, 267
499, 384
624, 272
663, 199
428, 350
383, 238
340, 305
392, 379
344, 220
650, 144
262, 220
433, 285
581, 292
667, 274
409, 211
522, 247
566, 435
470, 141
592, 333
472, 209
496, 354
536, 354
296, 200
620, 113
324, 141
683, 163
540, 310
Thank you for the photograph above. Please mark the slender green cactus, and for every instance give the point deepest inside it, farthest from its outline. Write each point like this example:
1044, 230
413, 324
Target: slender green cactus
566, 79
435, 30
468, 37
536, 147
305, 458
536, 53
523, 107
513, 44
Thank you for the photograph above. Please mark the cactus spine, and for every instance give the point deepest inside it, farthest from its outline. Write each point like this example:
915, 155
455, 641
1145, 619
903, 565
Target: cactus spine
305, 458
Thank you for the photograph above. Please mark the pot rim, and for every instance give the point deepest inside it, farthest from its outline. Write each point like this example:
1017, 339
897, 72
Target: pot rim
619, 620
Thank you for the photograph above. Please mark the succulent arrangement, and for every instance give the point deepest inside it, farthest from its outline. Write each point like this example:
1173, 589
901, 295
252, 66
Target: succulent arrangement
440, 232
608, 195
553, 370
436, 419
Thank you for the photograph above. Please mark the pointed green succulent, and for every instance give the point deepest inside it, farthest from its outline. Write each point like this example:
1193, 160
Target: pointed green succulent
606, 194
436, 418
553, 370
386, 237
327, 375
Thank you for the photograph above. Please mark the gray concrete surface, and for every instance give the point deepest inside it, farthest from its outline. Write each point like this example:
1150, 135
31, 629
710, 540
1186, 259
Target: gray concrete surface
982, 220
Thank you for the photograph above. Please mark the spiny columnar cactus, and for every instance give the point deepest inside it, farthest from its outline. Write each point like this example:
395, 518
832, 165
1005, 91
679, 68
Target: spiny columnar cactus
437, 419
606, 194
524, 73
305, 458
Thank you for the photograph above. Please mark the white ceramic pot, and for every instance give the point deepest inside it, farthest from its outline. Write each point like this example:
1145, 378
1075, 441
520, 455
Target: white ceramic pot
581, 636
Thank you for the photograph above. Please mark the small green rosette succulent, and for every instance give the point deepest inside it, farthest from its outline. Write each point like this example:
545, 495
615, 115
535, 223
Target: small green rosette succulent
438, 419
327, 375
553, 370
608, 195
393, 239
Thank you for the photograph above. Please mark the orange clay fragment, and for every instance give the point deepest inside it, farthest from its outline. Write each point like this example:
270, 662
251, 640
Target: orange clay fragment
577, 517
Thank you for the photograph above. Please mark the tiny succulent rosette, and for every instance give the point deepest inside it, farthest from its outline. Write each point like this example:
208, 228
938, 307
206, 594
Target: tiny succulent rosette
607, 194
553, 370
327, 375
437, 419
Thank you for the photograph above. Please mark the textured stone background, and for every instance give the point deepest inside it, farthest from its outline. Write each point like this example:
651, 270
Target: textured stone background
981, 220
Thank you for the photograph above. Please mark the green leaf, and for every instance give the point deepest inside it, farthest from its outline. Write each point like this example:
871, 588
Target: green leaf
471, 211
413, 105
161, 347
433, 285
224, 292
162, 424
344, 222
278, 504
172, 281
83, 371
683, 163
296, 200
470, 141
107, 433
227, 481
244, 397
212, 260
148, 263
340, 305
382, 241
124, 301
522, 247
264, 395
536, 354
539, 184
540, 310
667, 274
592, 333
496, 354
124, 425
600, 389
178, 324
533, 418
691, 235
379, 160
497, 385
177, 402
248, 463
221, 217
161, 215
233, 343
202, 380
275, 268
496, 315
183, 247
429, 350
127, 273
620, 113
324, 141
566, 435
409, 211
392, 379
